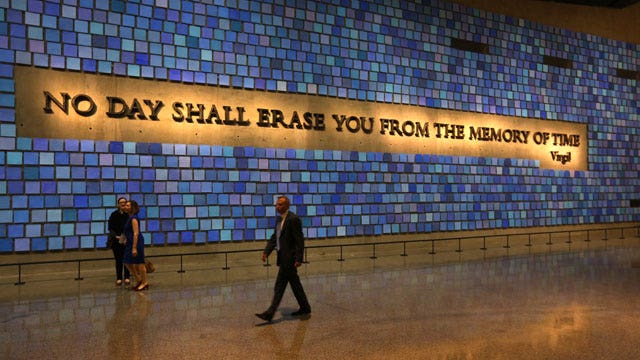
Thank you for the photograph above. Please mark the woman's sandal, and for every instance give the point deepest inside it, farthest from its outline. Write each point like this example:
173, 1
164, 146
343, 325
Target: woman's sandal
142, 287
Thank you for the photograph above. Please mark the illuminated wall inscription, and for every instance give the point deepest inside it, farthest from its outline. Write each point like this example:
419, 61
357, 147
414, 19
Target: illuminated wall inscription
71, 105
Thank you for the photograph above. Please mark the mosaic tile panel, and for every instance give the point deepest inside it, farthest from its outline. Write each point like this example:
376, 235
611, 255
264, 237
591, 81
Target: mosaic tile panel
57, 194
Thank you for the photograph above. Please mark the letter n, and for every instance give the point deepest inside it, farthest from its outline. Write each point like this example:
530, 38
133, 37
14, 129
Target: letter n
63, 105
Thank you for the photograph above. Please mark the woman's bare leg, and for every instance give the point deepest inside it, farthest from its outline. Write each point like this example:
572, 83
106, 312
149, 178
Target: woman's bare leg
142, 272
133, 269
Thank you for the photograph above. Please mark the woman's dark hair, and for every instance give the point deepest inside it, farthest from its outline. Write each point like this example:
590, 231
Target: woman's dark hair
134, 207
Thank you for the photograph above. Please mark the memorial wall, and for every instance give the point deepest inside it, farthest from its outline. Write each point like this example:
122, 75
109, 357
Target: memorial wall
374, 118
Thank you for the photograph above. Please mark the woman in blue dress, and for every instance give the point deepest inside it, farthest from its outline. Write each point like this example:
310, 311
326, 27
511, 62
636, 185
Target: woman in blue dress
134, 247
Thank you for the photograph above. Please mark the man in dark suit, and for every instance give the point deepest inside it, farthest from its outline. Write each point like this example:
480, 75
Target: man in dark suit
288, 241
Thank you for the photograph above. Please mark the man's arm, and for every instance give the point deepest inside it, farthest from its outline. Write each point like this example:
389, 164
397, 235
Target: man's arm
271, 244
111, 223
296, 227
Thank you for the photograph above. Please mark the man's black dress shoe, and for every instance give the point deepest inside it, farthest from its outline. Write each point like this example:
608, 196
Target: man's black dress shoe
301, 312
266, 316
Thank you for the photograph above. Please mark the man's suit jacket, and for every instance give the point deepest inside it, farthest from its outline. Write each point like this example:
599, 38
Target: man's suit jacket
291, 241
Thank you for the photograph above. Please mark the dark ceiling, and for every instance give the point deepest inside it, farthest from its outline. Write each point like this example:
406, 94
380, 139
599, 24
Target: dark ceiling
616, 4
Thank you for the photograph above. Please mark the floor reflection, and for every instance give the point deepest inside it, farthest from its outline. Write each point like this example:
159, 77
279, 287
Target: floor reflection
570, 323
283, 342
119, 344
583, 305
127, 327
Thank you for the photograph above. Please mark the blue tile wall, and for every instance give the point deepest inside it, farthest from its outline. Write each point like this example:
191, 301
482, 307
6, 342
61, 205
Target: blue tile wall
57, 194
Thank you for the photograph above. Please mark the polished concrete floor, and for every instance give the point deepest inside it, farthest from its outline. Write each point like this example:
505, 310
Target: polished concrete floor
541, 302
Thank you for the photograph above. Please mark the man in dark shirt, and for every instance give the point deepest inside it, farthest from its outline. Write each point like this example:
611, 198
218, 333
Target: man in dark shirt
116, 229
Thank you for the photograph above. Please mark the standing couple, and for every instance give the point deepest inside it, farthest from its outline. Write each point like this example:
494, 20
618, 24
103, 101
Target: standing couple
127, 244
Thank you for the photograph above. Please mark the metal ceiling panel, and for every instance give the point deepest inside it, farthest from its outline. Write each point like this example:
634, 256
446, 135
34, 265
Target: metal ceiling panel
616, 4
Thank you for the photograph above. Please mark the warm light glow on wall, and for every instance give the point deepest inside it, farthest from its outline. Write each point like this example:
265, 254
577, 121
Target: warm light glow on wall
57, 104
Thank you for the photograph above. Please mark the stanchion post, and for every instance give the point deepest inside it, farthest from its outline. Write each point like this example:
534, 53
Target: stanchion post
404, 249
484, 243
266, 263
373, 257
529, 243
226, 261
569, 241
20, 282
181, 270
341, 258
78, 277
459, 246
304, 260
507, 246
433, 247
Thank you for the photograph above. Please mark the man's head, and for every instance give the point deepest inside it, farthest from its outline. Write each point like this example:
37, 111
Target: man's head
121, 203
282, 205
